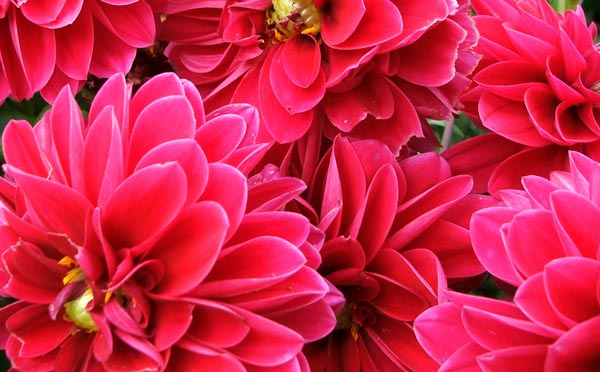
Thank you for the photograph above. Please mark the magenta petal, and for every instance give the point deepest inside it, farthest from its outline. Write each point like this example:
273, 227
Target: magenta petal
287, 298
398, 337
464, 359
533, 230
38, 59
574, 297
217, 326
347, 109
150, 130
61, 209
22, 150
576, 350
472, 156
189, 156
312, 321
134, 23
131, 214
252, 265
102, 157
182, 359
67, 126
422, 211
530, 161
220, 136
232, 198
368, 32
489, 246
341, 21
343, 185
273, 194
52, 14
268, 343
520, 358
112, 56
379, 210
39, 334
33, 277
493, 331
73, 354
170, 321
293, 97
121, 319
541, 103
302, 56
403, 294
76, 46
292, 227
510, 119
194, 250
579, 219
418, 68
510, 79
440, 331
137, 354
532, 298
160, 86
116, 94
281, 124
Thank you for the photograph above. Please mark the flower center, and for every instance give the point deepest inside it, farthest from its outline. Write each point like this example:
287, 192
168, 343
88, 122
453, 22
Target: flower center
76, 311
345, 320
287, 19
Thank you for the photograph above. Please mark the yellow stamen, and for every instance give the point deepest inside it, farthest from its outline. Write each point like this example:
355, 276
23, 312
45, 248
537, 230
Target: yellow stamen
68, 262
74, 275
289, 18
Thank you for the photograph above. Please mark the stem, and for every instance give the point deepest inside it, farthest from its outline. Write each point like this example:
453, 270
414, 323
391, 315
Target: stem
447, 136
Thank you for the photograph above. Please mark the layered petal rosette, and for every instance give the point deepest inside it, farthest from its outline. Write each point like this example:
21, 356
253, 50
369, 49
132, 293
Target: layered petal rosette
47, 44
363, 69
394, 233
135, 241
537, 87
544, 243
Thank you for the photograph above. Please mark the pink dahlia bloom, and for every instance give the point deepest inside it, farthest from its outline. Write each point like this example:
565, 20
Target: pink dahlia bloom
394, 232
538, 86
47, 44
134, 241
364, 69
544, 242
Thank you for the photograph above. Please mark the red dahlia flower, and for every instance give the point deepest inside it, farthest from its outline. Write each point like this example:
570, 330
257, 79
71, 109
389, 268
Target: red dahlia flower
394, 231
538, 86
364, 69
47, 44
545, 243
132, 240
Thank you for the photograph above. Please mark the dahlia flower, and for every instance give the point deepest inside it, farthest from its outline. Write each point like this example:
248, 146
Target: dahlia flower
47, 44
393, 233
537, 86
133, 240
364, 69
544, 242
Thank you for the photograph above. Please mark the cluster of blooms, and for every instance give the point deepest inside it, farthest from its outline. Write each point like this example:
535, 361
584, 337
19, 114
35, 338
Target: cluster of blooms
276, 202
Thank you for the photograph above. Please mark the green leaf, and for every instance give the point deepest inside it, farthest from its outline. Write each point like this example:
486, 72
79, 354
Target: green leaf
562, 6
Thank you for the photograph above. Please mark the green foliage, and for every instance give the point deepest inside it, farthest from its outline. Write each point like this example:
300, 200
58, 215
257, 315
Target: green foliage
31, 110
563, 5
462, 128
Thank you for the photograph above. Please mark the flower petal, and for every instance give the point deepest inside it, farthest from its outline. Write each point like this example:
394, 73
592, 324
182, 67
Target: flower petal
187, 251
132, 213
